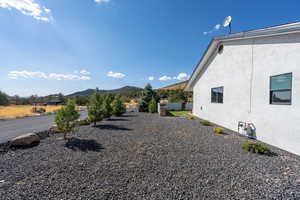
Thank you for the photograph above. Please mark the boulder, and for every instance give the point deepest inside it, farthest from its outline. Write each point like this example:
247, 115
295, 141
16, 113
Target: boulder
25, 140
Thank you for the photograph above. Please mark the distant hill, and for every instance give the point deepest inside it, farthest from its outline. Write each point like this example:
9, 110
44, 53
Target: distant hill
175, 86
123, 90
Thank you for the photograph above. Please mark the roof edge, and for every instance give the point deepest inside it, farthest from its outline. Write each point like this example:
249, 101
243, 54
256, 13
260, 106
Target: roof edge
263, 32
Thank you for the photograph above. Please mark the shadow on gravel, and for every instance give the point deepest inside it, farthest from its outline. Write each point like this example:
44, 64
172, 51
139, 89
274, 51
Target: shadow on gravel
128, 116
12, 147
272, 154
112, 127
117, 119
83, 145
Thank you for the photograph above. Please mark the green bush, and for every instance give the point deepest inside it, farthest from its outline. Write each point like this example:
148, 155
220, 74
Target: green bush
219, 130
189, 116
256, 147
118, 107
206, 123
152, 106
66, 117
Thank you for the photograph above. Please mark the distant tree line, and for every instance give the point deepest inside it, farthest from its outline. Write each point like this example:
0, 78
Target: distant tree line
178, 95
3, 99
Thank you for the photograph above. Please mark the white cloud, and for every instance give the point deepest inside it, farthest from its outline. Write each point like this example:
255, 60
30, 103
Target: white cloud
218, 26
182, 77
84, 72
43, 75
28, 7
165, 78
102, 1
115, 74
151, 78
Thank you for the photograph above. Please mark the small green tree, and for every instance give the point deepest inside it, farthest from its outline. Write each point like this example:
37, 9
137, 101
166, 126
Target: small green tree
152, 106
106, 107
94, 108
66, 117
118, 107
148, 93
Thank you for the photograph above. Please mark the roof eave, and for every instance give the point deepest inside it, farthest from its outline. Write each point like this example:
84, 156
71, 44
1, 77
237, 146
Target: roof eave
265, 32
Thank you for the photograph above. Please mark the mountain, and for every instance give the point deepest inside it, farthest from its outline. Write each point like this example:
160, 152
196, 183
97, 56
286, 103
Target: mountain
123, 90
175, 86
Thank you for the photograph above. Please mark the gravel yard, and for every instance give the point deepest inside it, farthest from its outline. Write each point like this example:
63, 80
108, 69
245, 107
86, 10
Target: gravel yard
143, 156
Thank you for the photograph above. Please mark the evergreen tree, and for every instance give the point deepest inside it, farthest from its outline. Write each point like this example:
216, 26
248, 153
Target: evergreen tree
3, 99
118, 107
66, 117
61, 98
148, 93
152, 106
94, 108
106, 106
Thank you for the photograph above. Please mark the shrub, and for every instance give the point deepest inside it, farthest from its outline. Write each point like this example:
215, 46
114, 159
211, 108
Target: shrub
219, 130
189, 116
66, 117
256, 147
152, 106
95, 107
38, 110
118, 107
206, 123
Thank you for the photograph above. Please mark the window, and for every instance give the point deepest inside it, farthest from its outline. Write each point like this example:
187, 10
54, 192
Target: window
217, 95
281, 89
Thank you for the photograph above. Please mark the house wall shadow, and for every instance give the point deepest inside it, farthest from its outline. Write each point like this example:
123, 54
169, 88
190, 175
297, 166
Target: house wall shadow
83, 145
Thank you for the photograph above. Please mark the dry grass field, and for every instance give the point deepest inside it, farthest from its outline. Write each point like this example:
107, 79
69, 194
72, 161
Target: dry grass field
132, 103
21, 111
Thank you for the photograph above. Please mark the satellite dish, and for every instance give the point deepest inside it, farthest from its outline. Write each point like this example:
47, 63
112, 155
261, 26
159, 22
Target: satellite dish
227, 22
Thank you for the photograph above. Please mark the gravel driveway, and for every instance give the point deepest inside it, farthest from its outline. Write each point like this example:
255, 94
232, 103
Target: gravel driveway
143, 156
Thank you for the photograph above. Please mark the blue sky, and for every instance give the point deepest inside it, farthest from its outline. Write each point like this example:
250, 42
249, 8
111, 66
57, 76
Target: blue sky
51, 46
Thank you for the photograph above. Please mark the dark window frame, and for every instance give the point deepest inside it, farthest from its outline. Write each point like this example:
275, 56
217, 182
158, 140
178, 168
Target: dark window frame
280, 90
211, 95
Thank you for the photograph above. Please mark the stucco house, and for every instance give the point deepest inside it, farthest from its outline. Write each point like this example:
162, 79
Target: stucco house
250, 82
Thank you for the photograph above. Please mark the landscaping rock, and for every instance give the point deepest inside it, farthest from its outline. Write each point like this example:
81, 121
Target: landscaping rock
26, 140
144, 156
